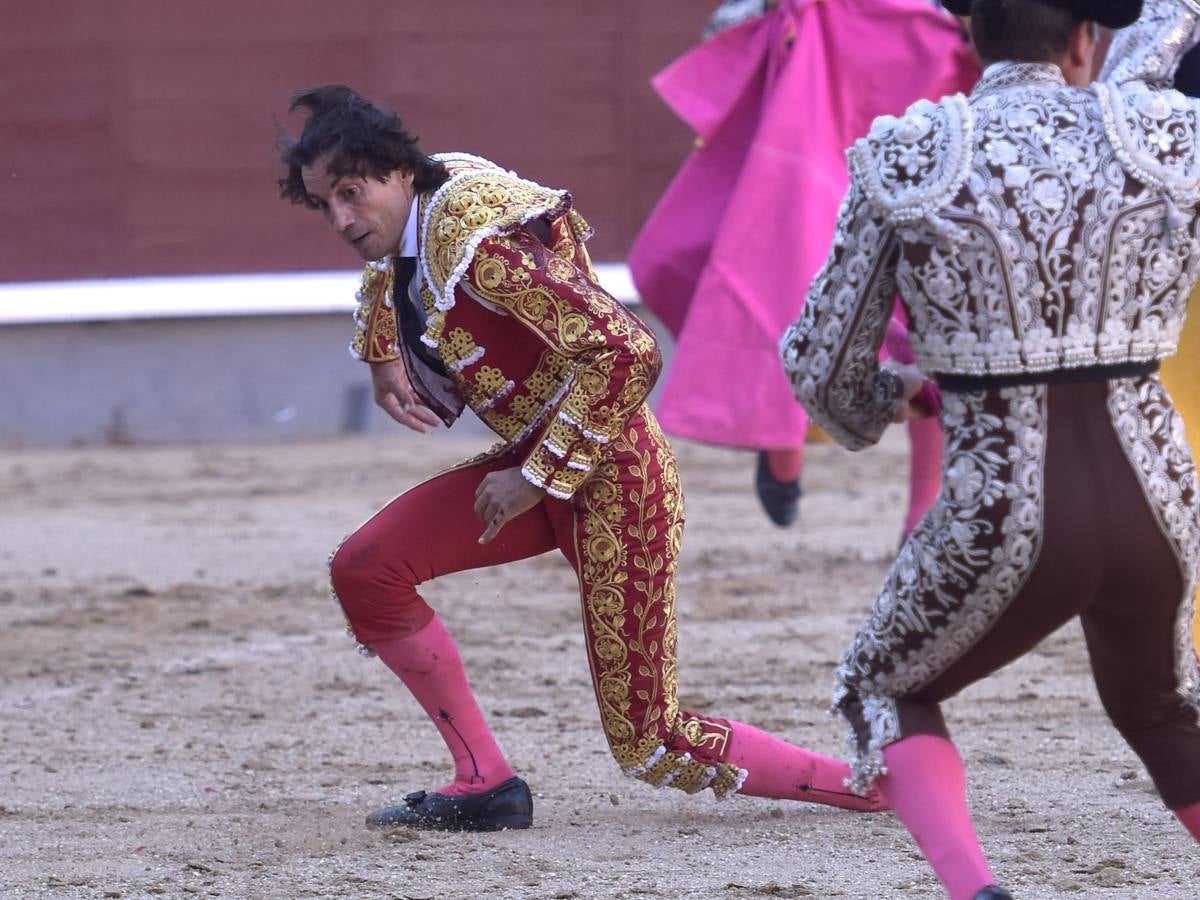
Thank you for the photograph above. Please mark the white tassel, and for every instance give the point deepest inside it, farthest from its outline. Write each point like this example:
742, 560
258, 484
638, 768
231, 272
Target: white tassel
1176, 218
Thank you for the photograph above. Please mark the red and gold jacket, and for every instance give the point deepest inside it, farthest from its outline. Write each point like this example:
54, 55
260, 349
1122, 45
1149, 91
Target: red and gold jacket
529, 340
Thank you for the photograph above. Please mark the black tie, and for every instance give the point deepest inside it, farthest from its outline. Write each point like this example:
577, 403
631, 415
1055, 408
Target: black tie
411, 327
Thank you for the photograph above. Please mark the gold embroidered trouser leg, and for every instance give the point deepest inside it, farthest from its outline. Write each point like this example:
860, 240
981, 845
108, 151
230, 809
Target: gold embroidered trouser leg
627, 532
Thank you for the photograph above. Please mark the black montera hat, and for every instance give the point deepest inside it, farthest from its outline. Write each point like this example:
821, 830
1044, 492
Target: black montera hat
1109, 13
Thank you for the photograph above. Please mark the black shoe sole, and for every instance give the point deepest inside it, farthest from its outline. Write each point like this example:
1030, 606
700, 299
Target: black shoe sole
508, 823
508, 807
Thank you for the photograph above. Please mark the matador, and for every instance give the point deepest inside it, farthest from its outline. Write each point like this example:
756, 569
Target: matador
1044, 235
480, 294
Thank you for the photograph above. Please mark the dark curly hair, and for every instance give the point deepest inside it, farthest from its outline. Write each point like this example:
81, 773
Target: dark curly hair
358, 138
1021, 30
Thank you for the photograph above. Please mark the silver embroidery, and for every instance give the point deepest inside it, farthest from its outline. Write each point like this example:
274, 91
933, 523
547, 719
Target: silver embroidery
858, 291
1032, 227
1054, 227
960, 570
1152, 434
913, 166
1039, 226
1151, 50
1153, 131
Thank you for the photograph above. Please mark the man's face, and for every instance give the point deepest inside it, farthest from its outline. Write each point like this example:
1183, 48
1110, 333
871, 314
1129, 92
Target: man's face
366, 213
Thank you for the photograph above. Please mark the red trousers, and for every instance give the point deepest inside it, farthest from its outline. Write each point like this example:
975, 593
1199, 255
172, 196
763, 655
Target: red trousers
621, 532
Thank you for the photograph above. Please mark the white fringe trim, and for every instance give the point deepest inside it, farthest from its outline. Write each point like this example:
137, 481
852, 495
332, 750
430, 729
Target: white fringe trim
461, 364
709, 774
557, 494
557, 451
355, 353
578, 466
866, 765
743, 774
674, 773
445, 298
429, 342
460, 156
504, 392
598, 438
541, 417
648, 764
532, 478
591, 435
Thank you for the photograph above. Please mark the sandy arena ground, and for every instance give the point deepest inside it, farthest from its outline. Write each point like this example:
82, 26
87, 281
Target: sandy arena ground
181, 715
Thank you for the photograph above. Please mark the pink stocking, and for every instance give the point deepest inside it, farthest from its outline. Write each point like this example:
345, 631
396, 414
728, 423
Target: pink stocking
926, 785
782, 771
924, 470
428, 663
785, 464
1190, 817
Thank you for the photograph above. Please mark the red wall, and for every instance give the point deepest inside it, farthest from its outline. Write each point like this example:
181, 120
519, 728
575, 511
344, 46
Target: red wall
137, 136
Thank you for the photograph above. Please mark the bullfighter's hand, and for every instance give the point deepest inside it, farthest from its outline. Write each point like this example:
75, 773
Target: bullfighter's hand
395, 395
501, 497
914, 380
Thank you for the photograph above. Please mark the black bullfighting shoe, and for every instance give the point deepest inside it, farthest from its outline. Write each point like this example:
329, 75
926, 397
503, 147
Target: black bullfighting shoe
780, 499
993, 892
508, 805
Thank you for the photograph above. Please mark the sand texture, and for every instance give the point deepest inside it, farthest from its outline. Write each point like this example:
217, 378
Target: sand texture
181, 714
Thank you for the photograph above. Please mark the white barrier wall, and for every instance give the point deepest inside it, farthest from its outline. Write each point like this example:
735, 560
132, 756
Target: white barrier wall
225, 358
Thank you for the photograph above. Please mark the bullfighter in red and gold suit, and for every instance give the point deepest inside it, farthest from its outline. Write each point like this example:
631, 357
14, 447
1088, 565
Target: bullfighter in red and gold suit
486, 298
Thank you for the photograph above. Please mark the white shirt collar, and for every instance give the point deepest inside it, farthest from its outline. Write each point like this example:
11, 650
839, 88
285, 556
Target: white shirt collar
408, 243
1044, 68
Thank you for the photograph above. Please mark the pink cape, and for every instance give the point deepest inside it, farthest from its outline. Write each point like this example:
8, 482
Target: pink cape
726, 258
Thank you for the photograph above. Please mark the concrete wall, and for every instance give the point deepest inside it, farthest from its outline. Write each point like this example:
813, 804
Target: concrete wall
187, 380
138, 134
180, 380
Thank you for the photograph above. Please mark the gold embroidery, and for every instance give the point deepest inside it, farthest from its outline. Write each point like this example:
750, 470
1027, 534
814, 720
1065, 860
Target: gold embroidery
546, 304
707, 735
589, 387
458, 345
586, 331
559, 436
480, 197
490, 273
631, 536
376, 333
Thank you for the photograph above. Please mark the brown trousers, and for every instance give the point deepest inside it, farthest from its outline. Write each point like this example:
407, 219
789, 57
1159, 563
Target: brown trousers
1116, 545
